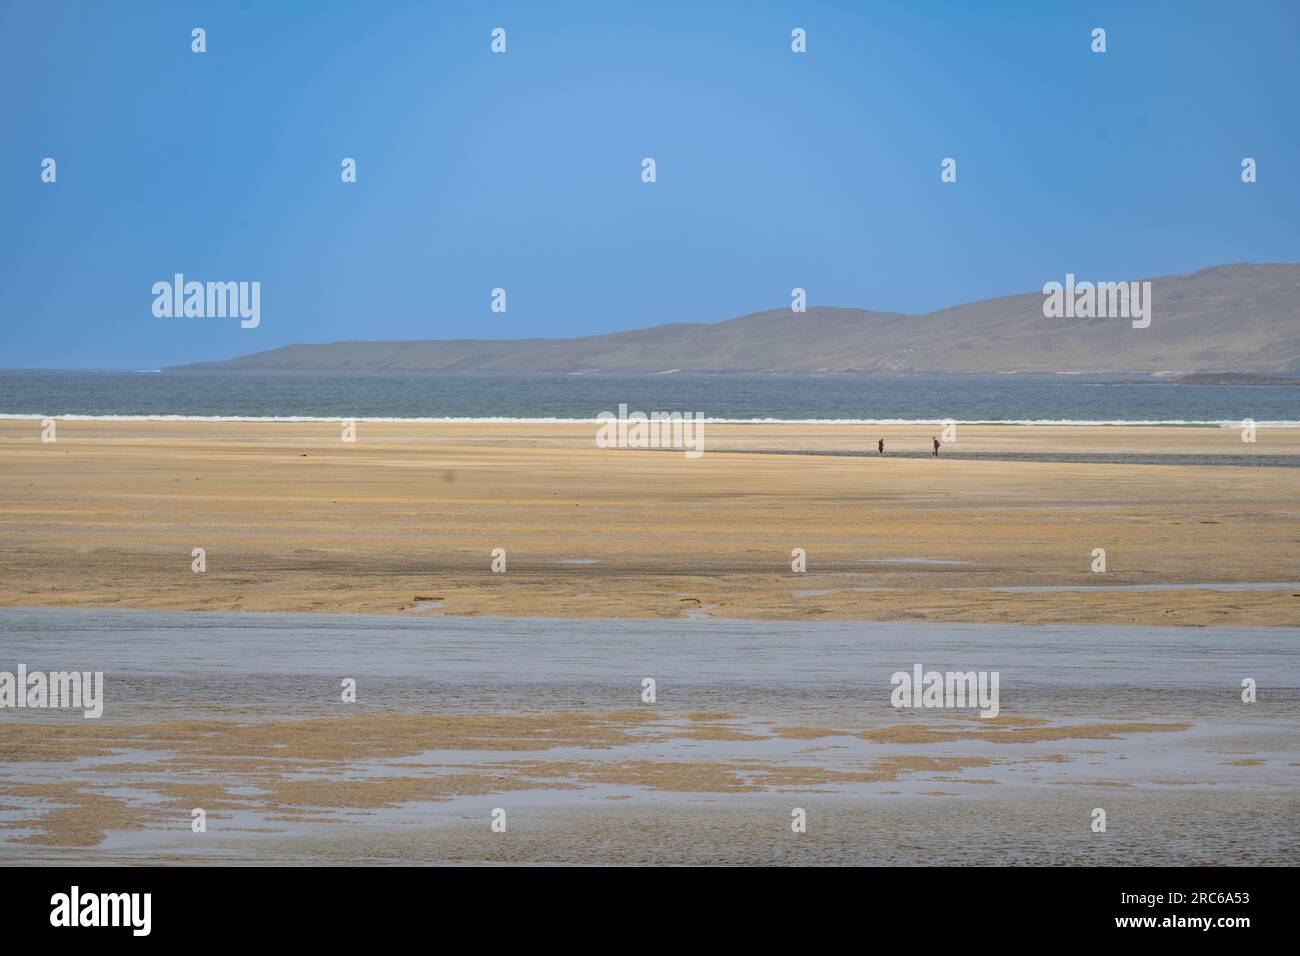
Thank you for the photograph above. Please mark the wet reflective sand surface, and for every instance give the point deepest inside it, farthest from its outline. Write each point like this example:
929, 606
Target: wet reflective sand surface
241, 715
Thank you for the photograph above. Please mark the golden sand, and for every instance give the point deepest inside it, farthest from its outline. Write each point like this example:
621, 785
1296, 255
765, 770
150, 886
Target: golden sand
326, 738
298, 771
293, 519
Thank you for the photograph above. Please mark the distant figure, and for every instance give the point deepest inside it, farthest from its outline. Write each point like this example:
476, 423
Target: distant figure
935, 453
880, 447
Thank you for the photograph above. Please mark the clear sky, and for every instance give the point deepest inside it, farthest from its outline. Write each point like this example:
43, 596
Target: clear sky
523, 170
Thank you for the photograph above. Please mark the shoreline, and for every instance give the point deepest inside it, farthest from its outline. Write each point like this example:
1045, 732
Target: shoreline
506, 420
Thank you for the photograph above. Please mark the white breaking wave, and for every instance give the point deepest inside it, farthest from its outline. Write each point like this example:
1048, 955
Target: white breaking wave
1214, 423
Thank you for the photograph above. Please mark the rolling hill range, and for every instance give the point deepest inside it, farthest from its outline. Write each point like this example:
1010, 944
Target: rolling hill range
1231, 318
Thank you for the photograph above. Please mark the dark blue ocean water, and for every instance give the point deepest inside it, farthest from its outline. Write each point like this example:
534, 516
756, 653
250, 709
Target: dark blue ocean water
726, 397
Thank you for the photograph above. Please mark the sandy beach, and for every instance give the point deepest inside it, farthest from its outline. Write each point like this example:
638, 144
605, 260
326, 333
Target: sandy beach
405, 520
519, 690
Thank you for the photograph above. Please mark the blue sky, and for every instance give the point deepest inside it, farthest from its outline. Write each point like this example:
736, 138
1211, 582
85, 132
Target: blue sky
523, 170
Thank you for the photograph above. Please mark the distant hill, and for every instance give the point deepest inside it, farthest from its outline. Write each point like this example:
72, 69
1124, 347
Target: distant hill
1226, 319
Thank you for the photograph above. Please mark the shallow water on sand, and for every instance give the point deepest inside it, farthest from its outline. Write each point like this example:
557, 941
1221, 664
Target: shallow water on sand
193, 662
1225, 765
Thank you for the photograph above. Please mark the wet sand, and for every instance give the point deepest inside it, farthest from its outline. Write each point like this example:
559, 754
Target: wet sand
544, 719
521, 690
405, 520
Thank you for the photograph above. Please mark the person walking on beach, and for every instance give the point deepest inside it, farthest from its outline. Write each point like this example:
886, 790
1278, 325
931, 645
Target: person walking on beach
880, 447
935, 453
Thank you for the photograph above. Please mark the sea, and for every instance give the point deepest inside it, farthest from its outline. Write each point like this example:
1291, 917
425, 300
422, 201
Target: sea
299, 396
